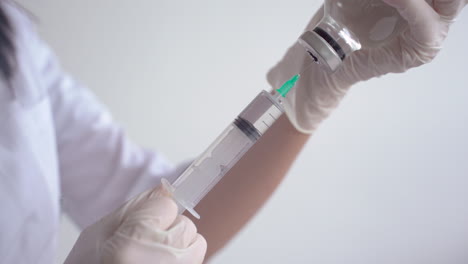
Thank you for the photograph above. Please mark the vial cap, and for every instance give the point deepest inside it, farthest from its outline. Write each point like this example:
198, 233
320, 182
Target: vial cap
320, 50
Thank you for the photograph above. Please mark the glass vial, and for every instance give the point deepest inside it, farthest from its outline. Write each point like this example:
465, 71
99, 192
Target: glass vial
349, 25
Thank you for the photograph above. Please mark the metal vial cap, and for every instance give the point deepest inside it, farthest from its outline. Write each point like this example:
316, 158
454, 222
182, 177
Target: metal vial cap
320, 50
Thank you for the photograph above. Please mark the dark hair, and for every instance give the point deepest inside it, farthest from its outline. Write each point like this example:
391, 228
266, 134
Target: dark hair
7, 45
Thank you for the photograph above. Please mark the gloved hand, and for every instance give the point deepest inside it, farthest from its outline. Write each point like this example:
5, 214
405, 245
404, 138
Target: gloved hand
318, 92
144, 230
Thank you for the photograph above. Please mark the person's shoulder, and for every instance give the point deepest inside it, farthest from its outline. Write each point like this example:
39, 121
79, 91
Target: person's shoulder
32, 54
22, 20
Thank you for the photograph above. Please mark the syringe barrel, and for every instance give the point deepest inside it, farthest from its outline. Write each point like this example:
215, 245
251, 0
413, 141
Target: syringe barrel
203, 174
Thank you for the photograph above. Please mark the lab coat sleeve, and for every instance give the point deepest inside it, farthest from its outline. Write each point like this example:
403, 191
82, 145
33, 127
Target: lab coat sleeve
99, 166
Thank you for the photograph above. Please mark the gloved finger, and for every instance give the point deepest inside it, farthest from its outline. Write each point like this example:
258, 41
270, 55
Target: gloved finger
150, 222
421, 17
158, 212
159, 191
383, 60
181, 233
121, 250
449, 9
197, 250
115, 219
136, 202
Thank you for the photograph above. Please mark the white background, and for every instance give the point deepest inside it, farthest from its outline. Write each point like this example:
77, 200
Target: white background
384, 180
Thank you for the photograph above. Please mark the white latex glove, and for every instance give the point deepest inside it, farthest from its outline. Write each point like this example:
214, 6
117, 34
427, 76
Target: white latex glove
146, 229
317, 93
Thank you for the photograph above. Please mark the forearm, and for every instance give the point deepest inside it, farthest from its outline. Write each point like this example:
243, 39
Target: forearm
247, 186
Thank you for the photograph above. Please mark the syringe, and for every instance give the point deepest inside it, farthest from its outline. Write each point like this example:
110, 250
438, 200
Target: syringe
203, 174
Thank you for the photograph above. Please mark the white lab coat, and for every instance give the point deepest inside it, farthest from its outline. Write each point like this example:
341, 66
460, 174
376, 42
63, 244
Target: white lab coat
59, 151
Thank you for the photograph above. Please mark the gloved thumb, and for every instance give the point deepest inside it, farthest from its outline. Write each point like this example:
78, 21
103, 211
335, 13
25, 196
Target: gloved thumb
154, 205
152, 231
151, 210
157, 210
421, 17
449, 9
